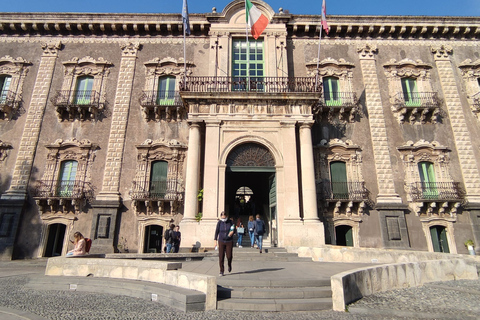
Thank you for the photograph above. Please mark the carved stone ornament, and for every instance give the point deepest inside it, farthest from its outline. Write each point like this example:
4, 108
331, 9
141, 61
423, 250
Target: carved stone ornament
367, 51
146, 200
17, 70
4, 147
130, 49
51, 48
250, 155
442, 52
471, 74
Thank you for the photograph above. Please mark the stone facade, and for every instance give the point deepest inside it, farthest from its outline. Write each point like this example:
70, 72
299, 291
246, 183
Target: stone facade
108, 130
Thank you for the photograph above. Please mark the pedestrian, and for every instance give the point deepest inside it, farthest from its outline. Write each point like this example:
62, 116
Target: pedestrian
224, 241
178, 238
251, 230
80, 245
259, 230
240, 232
170, 238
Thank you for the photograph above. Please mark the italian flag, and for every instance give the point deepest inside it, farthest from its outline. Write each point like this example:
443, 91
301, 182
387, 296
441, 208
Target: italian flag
256, 20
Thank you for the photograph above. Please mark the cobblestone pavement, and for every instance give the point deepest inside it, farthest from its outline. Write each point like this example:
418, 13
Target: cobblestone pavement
441, 300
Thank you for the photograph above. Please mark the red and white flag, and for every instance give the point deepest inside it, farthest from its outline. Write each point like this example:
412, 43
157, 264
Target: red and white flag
256, 20
324, 18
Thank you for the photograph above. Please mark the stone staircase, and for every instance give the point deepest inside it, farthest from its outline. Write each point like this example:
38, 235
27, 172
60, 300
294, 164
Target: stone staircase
273, 295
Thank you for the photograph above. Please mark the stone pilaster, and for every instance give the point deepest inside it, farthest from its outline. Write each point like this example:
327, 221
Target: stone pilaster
121, 107
378, 129
461, 135
309, 193
211, 170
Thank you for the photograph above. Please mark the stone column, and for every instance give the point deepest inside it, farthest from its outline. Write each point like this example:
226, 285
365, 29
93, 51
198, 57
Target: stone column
121, 107
211, 170
193, 173
309, 192
461, 135
378, 129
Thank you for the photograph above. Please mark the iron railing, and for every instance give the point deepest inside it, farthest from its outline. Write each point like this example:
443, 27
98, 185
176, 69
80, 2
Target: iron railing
425, 191
160, 98
252, 84
339, 99
76, 98
476, 101
67, 189
351, 190
416, 100
7, 98
155, 190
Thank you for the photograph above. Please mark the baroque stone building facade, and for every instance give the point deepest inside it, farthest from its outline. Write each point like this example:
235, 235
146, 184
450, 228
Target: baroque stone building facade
106, 129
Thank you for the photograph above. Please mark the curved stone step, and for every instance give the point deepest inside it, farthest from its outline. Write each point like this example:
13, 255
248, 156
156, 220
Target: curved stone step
273, 293
275, 304
288, 283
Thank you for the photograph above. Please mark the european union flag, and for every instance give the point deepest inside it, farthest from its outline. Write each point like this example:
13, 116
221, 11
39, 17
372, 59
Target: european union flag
186, 22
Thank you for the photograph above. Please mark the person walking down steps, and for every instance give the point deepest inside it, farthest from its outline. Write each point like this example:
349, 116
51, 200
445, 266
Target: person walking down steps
224, 241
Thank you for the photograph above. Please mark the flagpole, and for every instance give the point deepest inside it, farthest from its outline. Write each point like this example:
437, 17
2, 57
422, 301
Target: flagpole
185, 57
248, 47
318, 55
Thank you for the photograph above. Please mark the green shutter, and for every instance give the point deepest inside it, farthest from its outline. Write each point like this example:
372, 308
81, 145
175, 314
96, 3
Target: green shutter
349, 237
158, 179
4, 87
331, 89
338, 175
66, 178
435, 239
443, 240
166, 91
84, 92
427, 178
410, 92
254, 62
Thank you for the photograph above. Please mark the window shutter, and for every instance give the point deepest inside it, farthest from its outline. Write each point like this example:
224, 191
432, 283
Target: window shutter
338, 174
84, 90
158, 178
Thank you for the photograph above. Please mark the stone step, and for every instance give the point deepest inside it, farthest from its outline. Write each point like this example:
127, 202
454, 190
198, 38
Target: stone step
281, 283
275, 304
273, 293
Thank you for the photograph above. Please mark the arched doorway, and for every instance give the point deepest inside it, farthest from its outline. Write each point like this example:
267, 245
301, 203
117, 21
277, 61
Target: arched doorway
250, 187
344, 236
153, 239
56, 237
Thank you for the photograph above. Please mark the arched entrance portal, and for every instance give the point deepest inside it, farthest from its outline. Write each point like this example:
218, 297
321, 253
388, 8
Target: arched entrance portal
250, 186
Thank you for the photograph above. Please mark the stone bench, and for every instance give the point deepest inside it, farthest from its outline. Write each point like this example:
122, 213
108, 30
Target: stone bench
145, 270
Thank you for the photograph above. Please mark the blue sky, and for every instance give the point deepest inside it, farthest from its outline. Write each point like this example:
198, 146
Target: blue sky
347, 7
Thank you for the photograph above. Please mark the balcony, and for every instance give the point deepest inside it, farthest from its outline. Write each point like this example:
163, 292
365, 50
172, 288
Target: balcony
77, 104
162, 105
61, 195
341, 104
417, 107
348, 198
158, 197
476, 103
436, 199
9, 104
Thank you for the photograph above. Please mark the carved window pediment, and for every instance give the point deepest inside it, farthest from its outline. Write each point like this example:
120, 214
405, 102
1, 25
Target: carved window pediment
471, 75
146, 200
46, 191
420, 106
73, 102
11, 98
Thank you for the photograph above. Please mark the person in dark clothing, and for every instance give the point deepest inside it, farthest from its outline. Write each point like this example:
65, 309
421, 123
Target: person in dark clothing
224, 241
178, 239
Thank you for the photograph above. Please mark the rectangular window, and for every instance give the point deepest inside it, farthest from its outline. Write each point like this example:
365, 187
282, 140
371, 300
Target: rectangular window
410, 92
103, 226
427, 179
6, 224
4, 87
393, 228
331, 90
66, 178
158, 179
166, 91
248, 67
338, 174
84, 92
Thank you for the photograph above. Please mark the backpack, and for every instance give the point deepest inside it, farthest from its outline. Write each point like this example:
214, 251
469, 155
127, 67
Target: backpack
170, 236
166, 235
88, 244
259, 227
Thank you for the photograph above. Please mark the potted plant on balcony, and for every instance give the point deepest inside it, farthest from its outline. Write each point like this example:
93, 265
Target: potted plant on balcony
470, 246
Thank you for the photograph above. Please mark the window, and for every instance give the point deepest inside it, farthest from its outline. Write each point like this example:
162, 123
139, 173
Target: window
439, 239
84, 93
338, 172
427, 179
331, 89
4, 86
166, 91
410, 92
251, 65
66, 178
158, 179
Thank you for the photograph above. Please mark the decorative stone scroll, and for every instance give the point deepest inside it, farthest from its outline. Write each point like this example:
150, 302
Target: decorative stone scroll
471, 77
11, 101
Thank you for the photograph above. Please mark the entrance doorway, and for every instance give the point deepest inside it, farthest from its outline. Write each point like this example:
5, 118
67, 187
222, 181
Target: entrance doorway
56, 237
439, 239
153, 239
344, 236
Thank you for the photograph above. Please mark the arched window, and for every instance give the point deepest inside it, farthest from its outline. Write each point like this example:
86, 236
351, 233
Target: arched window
166, 91
158, 179
338, 176
4, 87
331, 90
427, 180
84, 90
66, 178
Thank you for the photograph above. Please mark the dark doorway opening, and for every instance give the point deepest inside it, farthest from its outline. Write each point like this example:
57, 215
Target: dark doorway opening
343, 236
56, 237
153, 239
439, 239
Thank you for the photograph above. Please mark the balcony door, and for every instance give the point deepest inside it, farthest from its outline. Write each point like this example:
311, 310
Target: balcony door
66, 178
338, 175
158, 179
331, 90
4, 87
83, 92
427, 179
410, 92
166, 91
248, 67
439, 239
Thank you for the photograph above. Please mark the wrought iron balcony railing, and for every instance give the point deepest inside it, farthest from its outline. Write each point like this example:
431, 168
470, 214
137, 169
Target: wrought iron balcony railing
252, 84
434, 191
338, 99
62, 189
155, 190
77, 98
416, 100
7, 98
347, 191
160, 98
